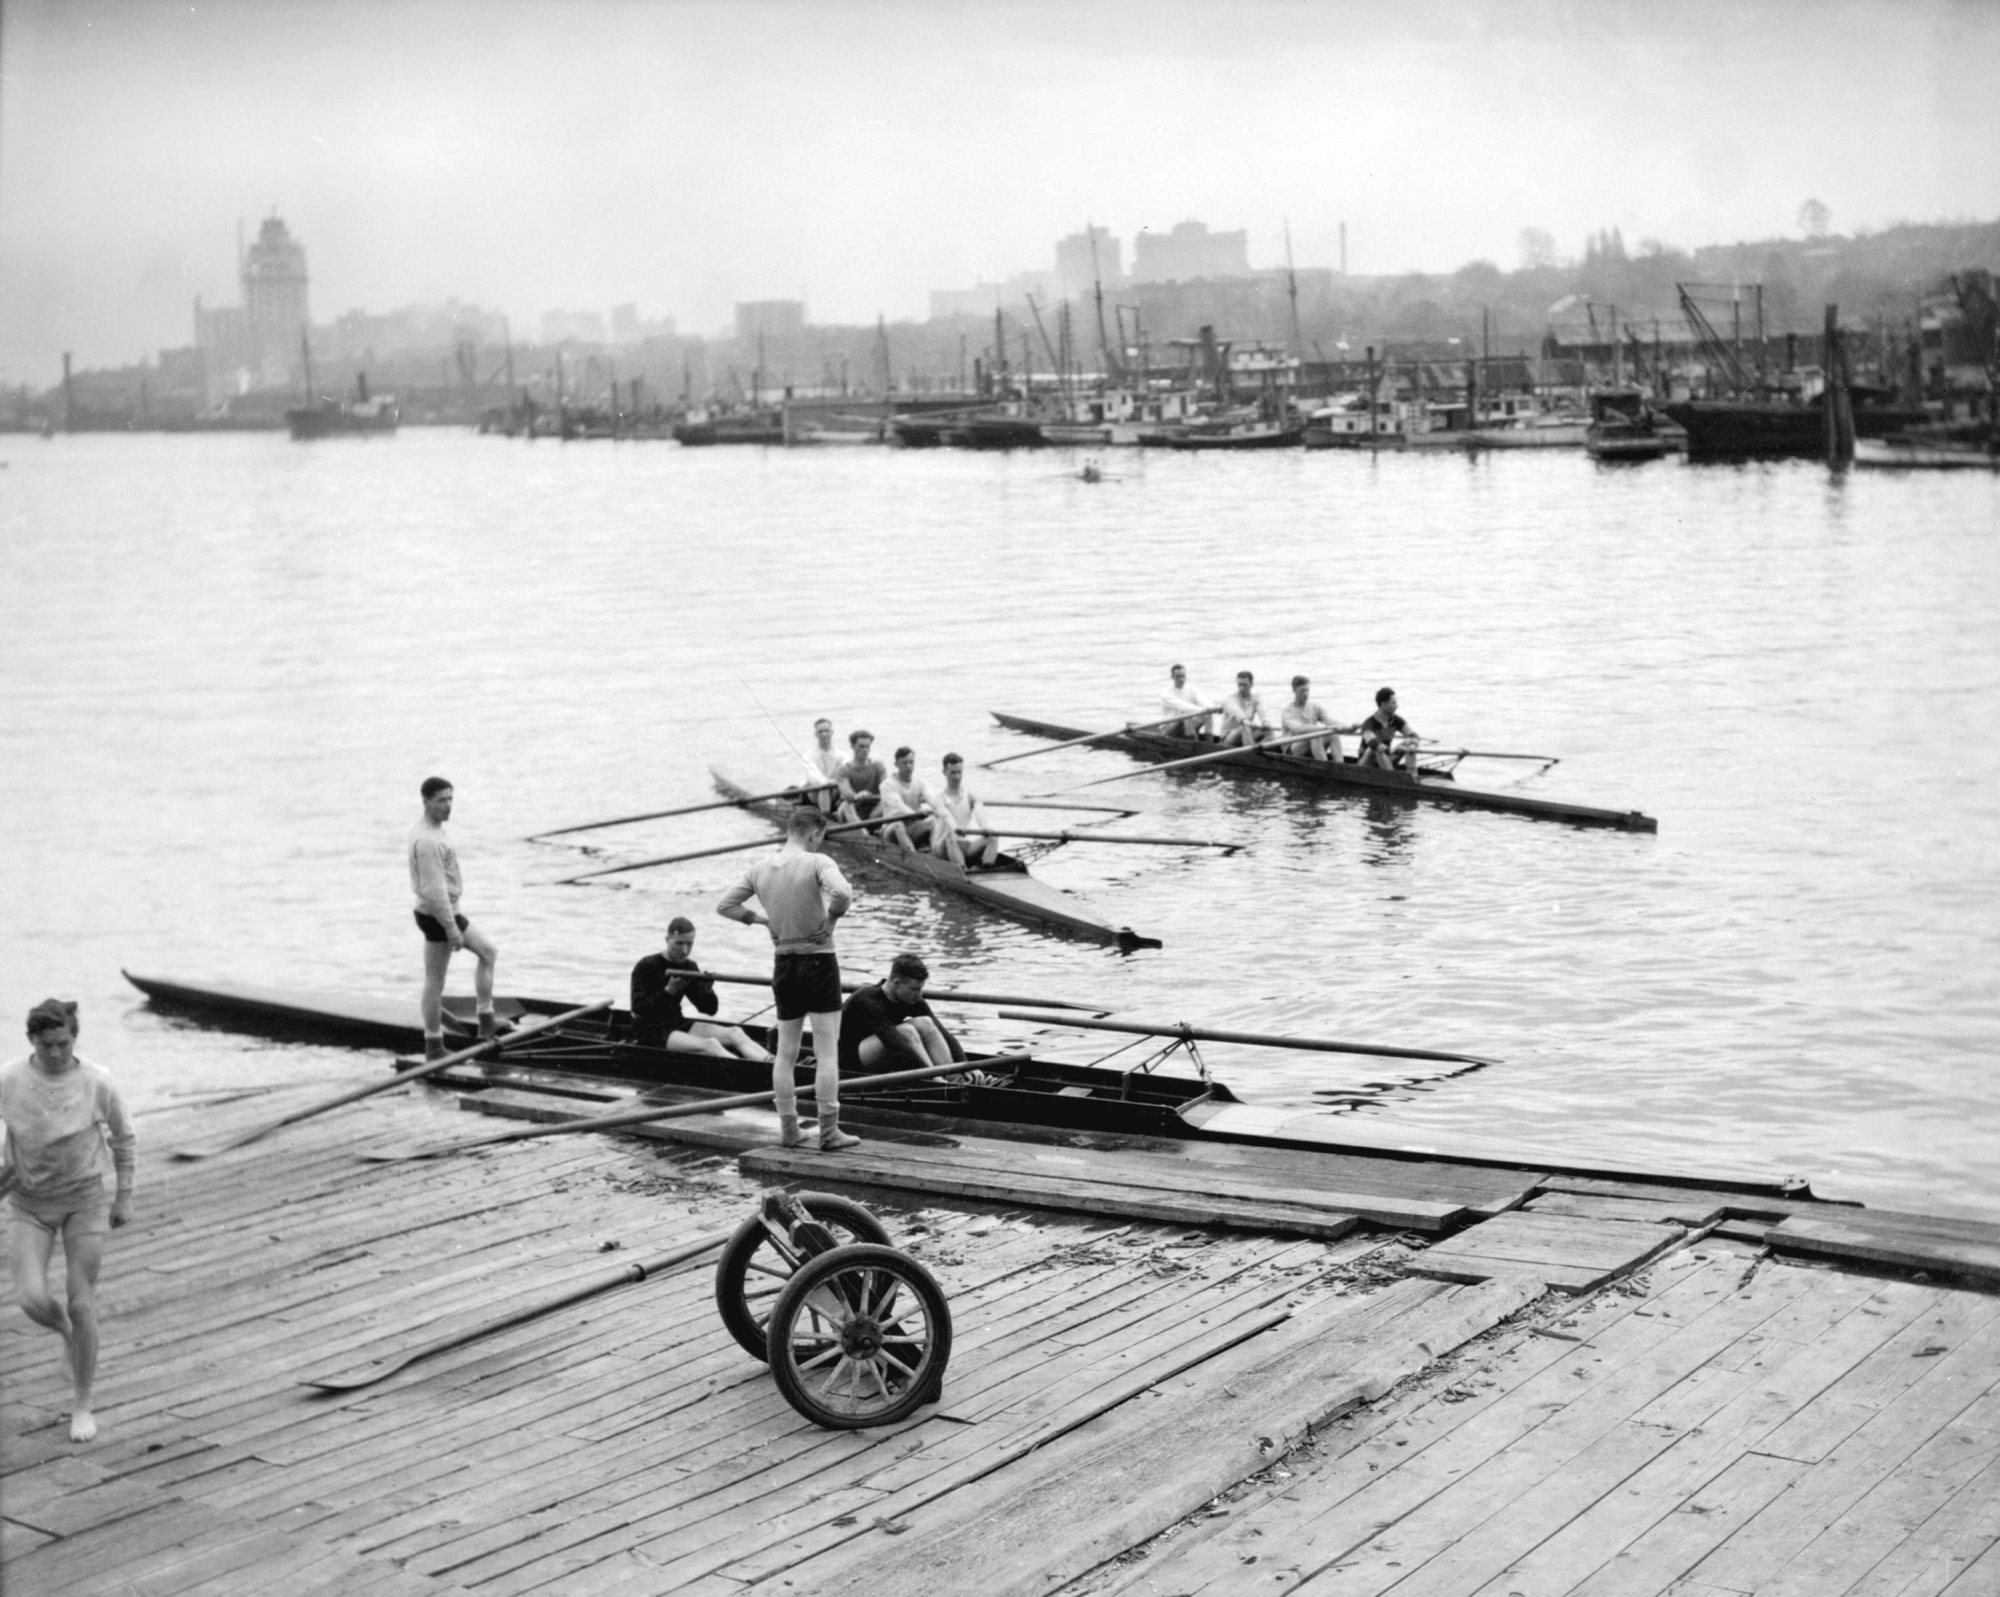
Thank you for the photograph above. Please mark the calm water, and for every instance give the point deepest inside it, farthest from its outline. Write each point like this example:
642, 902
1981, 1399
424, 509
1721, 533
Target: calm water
230, 660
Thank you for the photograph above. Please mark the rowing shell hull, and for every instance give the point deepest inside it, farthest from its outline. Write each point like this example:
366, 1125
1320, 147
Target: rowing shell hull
1012, 892
1347, 776
1040, 1093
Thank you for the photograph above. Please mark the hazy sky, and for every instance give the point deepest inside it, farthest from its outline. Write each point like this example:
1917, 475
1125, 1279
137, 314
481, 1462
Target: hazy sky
530, 154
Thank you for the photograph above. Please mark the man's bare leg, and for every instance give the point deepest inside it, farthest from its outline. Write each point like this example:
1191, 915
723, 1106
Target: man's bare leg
826, 1080
437, 960
784, 1085
30, 1248
83, 1257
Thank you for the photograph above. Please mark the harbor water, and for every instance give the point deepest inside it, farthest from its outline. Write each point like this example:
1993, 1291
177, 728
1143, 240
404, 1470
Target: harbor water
229, 660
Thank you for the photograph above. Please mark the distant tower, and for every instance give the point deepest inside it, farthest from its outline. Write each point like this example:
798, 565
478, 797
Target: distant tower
274, 300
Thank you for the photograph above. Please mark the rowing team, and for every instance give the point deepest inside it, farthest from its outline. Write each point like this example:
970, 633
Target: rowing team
914, 815
1387, 741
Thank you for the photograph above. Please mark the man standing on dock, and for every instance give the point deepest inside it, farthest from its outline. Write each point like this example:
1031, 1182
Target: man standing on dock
435, 880
802, 893
61, 1113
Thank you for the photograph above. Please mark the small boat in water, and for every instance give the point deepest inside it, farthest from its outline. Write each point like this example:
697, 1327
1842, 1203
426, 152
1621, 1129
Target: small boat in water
1005, 885
732, 427
363, 416
1958, 448
1432, 786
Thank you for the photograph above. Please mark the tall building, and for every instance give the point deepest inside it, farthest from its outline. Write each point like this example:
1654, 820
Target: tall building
258, 344
1081, 267
274, 301
1189, 251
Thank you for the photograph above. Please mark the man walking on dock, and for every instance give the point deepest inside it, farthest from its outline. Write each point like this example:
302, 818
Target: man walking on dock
61, 1113
802, 893
435, 880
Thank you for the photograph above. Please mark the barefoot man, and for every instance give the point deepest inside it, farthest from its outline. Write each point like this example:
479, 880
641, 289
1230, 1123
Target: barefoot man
435, 881
803, 894
61, 1113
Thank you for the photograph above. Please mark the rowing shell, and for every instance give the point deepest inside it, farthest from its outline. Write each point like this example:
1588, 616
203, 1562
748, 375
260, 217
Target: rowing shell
1006, 887
1345, 775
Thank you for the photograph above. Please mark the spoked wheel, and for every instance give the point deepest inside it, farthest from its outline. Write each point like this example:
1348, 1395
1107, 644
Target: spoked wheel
859, 1337
759, 1260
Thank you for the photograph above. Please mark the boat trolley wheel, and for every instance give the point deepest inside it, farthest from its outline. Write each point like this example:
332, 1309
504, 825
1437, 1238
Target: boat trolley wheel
771, 1245
860, 1336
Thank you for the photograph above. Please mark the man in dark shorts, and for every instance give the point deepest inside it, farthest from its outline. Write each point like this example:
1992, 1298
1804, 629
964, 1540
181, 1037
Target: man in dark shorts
435, 881
890, 1026
660, 982
1388, 742
802, 893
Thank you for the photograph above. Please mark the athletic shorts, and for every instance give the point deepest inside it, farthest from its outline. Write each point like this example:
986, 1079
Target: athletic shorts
805, 984
432, 930
75, 1215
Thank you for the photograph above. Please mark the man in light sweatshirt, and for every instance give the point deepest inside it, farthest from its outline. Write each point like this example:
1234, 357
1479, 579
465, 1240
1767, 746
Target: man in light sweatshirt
61, 1113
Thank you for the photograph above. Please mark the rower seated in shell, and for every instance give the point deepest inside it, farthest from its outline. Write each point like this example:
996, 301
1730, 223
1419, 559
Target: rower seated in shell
1243, 718
859, 779
662, 982
958, 811
1304, 715
889, 1026
1388, 742
1184, 695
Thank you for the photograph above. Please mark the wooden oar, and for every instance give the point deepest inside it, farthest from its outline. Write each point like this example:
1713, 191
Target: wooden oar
429, 1067
1047, 804
1097, 737
1196, 759
1105, 837
953, 995
642, 1117
685, 809
735, 848
1260, 1039
1487, 754
380, 1369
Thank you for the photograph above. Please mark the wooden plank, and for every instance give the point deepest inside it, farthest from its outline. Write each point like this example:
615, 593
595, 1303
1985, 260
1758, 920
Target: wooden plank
1674, 1549
1569, 1254
859, 1168
1885, 1516
1156, 1463
1904, 1249
1119, 1168
1946, 1546
1831, 1488
1688, 1212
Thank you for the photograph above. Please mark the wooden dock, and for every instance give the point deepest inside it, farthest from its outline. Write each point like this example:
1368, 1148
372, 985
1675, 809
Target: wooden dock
1204, 1371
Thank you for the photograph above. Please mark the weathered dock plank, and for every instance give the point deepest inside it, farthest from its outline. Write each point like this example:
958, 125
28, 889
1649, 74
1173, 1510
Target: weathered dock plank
1569, 1253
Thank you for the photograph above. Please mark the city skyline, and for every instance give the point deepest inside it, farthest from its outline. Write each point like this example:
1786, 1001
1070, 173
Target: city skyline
859, 156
